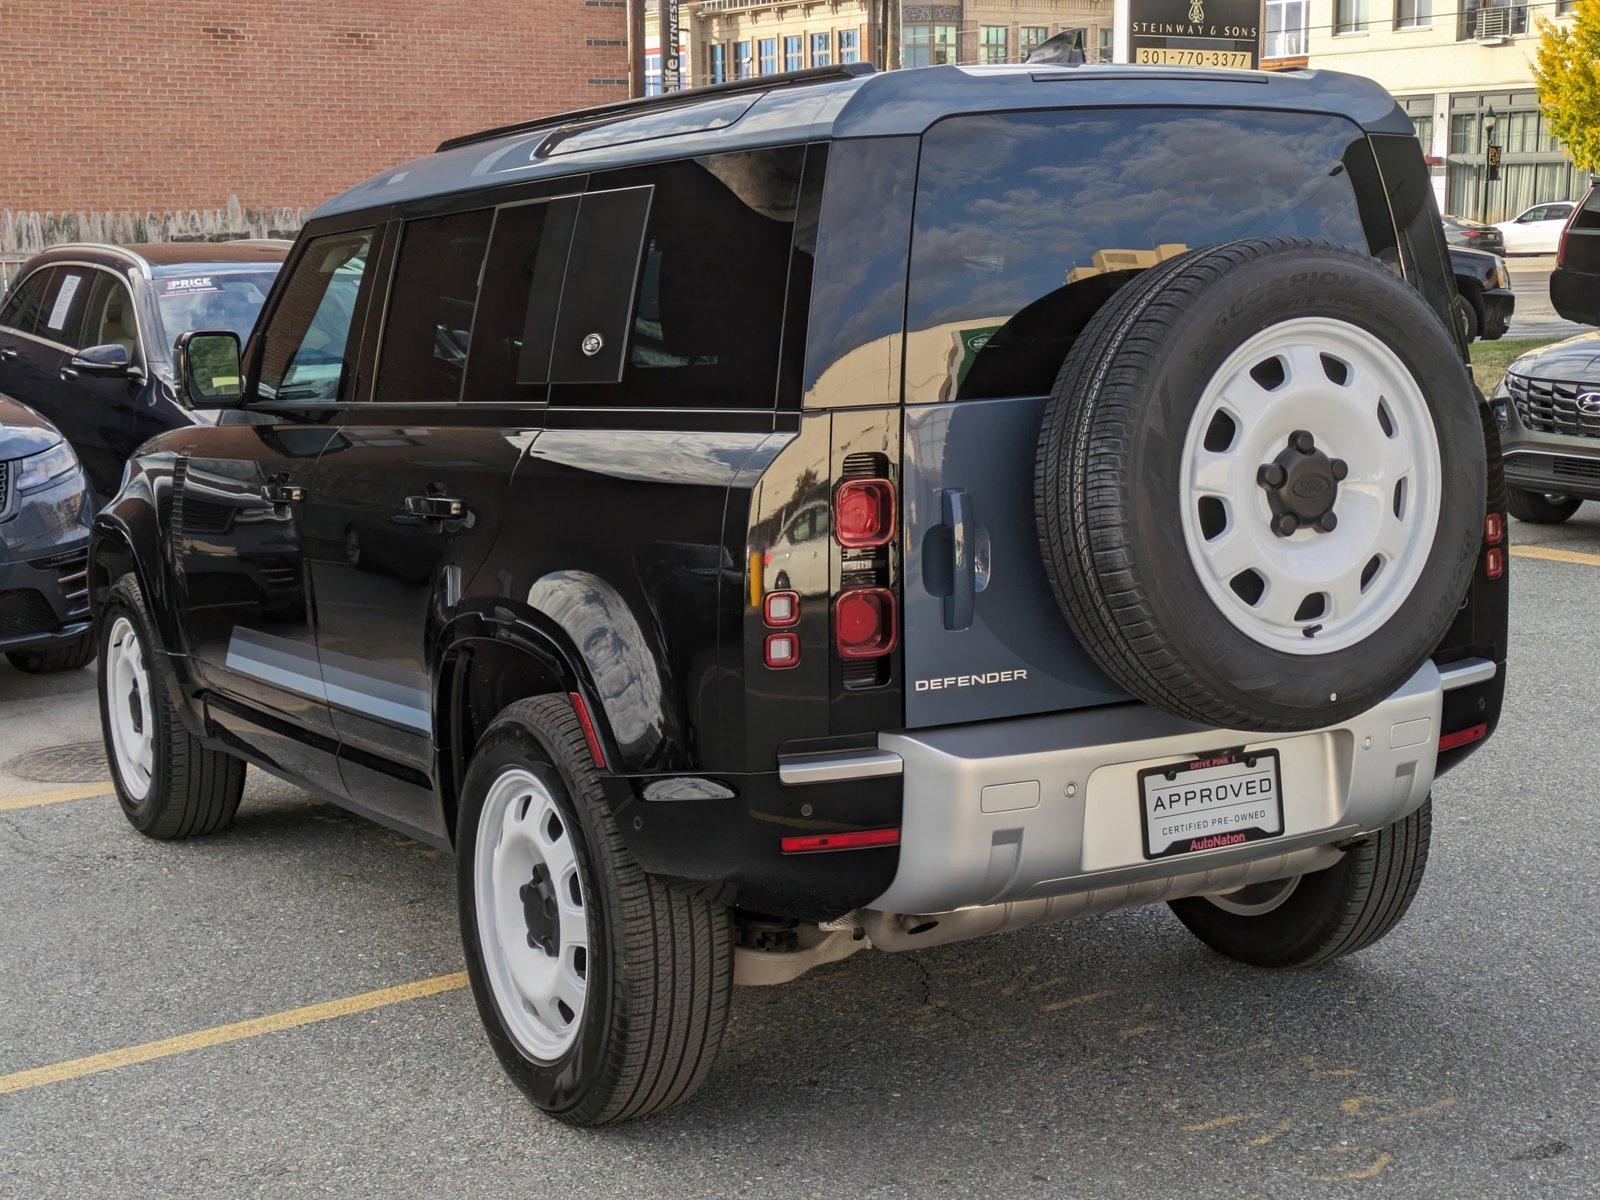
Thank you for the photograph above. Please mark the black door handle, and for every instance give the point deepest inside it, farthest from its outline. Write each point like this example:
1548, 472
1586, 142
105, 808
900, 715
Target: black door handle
957, 512
436, 508
68, 373
9, 354
283, 493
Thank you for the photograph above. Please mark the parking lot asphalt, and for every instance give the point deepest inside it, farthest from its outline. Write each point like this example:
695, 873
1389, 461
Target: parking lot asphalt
1111, 1057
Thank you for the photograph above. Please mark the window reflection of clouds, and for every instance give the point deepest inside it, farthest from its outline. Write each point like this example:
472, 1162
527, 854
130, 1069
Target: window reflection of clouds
1008, 204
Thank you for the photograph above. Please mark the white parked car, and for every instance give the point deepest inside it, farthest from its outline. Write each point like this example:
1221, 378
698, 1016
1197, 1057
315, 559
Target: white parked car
1537, 230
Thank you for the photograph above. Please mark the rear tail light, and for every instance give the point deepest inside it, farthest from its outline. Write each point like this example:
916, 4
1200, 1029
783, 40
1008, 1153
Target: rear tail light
1473, 733
781, 609
1494, 563
862, 840
864, 622
863, 512
782, 651
1494, 528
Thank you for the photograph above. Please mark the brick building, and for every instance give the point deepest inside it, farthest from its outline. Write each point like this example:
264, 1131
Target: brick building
157, 119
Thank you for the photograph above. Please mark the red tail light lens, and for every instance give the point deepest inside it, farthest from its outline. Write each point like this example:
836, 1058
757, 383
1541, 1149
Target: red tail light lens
863, 512
1494, 563
782, 651
864, 622
1494, 528
1462, 737
813, 843
780, 610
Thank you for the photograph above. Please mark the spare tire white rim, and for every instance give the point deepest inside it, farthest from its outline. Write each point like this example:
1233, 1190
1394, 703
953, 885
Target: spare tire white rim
532, 923
1312, 591
128, 710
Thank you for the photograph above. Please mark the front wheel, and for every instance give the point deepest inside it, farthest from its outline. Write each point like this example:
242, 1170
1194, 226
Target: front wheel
604, 992
1308, 919
1540, 508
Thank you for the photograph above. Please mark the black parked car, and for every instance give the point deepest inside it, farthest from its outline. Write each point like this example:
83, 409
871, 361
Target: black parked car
45, 511
1548, 407
1485, 291
1458, 231
86, 336
837, 510
1575, 283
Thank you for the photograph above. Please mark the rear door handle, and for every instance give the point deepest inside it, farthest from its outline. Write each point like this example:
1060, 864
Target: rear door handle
9, 354
958, 605
436, 508
68, 373
283, 493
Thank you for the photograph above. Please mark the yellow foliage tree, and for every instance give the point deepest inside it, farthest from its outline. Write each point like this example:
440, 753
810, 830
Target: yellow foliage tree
1567, 70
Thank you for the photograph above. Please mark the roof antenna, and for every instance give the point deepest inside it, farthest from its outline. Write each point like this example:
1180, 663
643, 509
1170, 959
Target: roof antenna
1063, 50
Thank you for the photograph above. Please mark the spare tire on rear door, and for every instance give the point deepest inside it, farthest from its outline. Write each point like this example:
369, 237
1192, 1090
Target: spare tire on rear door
1260, 484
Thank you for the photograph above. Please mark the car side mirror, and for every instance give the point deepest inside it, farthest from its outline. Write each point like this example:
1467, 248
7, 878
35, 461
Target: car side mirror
110, 359
208, 367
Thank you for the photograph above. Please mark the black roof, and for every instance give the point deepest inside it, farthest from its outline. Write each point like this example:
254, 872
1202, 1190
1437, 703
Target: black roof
842, 103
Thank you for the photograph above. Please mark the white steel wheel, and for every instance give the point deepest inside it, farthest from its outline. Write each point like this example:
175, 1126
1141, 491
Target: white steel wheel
129, 711
1257, 899
1311, 495
531, 914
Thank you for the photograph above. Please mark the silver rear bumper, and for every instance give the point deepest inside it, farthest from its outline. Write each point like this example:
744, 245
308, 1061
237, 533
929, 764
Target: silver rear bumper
1046, 806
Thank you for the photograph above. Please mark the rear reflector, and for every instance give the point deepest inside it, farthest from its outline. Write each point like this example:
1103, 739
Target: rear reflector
863, 512
817, 842
781, 609
1494, 528
1461, 737
782, 651
1494, 562
864, 622
589, 735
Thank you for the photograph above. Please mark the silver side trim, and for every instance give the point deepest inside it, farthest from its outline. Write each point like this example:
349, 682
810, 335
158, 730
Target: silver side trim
1466, 673
838, 767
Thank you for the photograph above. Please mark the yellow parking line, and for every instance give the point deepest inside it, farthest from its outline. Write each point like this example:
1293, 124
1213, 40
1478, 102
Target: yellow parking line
77, 1068
1553, 555
37, 799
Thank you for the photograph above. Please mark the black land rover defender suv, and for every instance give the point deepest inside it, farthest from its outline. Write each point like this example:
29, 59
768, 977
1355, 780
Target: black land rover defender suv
835, 511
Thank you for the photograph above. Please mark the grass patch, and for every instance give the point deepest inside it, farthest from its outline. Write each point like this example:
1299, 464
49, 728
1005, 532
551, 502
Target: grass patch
1490, 359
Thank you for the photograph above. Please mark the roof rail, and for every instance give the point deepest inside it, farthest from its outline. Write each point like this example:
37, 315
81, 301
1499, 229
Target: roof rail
759, 83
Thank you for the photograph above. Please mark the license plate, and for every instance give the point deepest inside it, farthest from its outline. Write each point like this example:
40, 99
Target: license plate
1206, 803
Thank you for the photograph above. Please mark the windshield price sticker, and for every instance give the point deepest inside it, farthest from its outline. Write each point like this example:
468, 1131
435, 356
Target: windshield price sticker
189, 285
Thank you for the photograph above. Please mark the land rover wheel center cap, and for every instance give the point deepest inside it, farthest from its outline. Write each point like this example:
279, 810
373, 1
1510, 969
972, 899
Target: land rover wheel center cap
1302, 486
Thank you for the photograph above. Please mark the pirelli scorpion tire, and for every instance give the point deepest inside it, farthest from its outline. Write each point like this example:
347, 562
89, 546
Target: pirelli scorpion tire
1260, 484
604, 991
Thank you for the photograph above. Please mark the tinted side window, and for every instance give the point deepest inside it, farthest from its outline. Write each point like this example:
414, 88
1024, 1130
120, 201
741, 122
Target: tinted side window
710, 280
429, 320
1025, 223
306, 352
521, 291
22, 310
1416, 219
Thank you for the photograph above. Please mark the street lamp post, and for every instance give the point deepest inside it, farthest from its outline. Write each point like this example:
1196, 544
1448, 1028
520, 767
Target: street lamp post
1489, 122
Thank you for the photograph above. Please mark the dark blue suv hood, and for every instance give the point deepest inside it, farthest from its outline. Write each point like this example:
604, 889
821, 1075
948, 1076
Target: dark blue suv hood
23, 431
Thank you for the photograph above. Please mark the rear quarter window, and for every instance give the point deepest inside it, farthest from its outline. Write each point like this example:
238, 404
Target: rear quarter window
1026, 222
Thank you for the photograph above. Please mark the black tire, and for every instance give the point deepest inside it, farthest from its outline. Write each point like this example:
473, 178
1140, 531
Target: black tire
1470, 309
192, 789
659, 960
1538, 508
1329, 913
1108, 482
66, 656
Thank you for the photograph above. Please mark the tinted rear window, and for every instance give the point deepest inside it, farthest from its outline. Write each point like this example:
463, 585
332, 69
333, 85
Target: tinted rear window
1025, 222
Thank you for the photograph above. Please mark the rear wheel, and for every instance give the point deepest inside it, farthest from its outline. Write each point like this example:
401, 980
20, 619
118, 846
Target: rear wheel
604, 992
67, 656
1308, 919
170, 785
1540, 508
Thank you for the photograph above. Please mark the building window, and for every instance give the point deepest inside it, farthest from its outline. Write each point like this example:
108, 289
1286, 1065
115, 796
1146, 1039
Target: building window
1424, 127
1349, 16
1464, 133
767, 56
793, 55
821, 49
741, 60
1413, 14
1519, 133
652, 73
1287, 22
1031, 38
992, 43
1104, 44
1487, 19
849, 45
718, 63
927, 45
